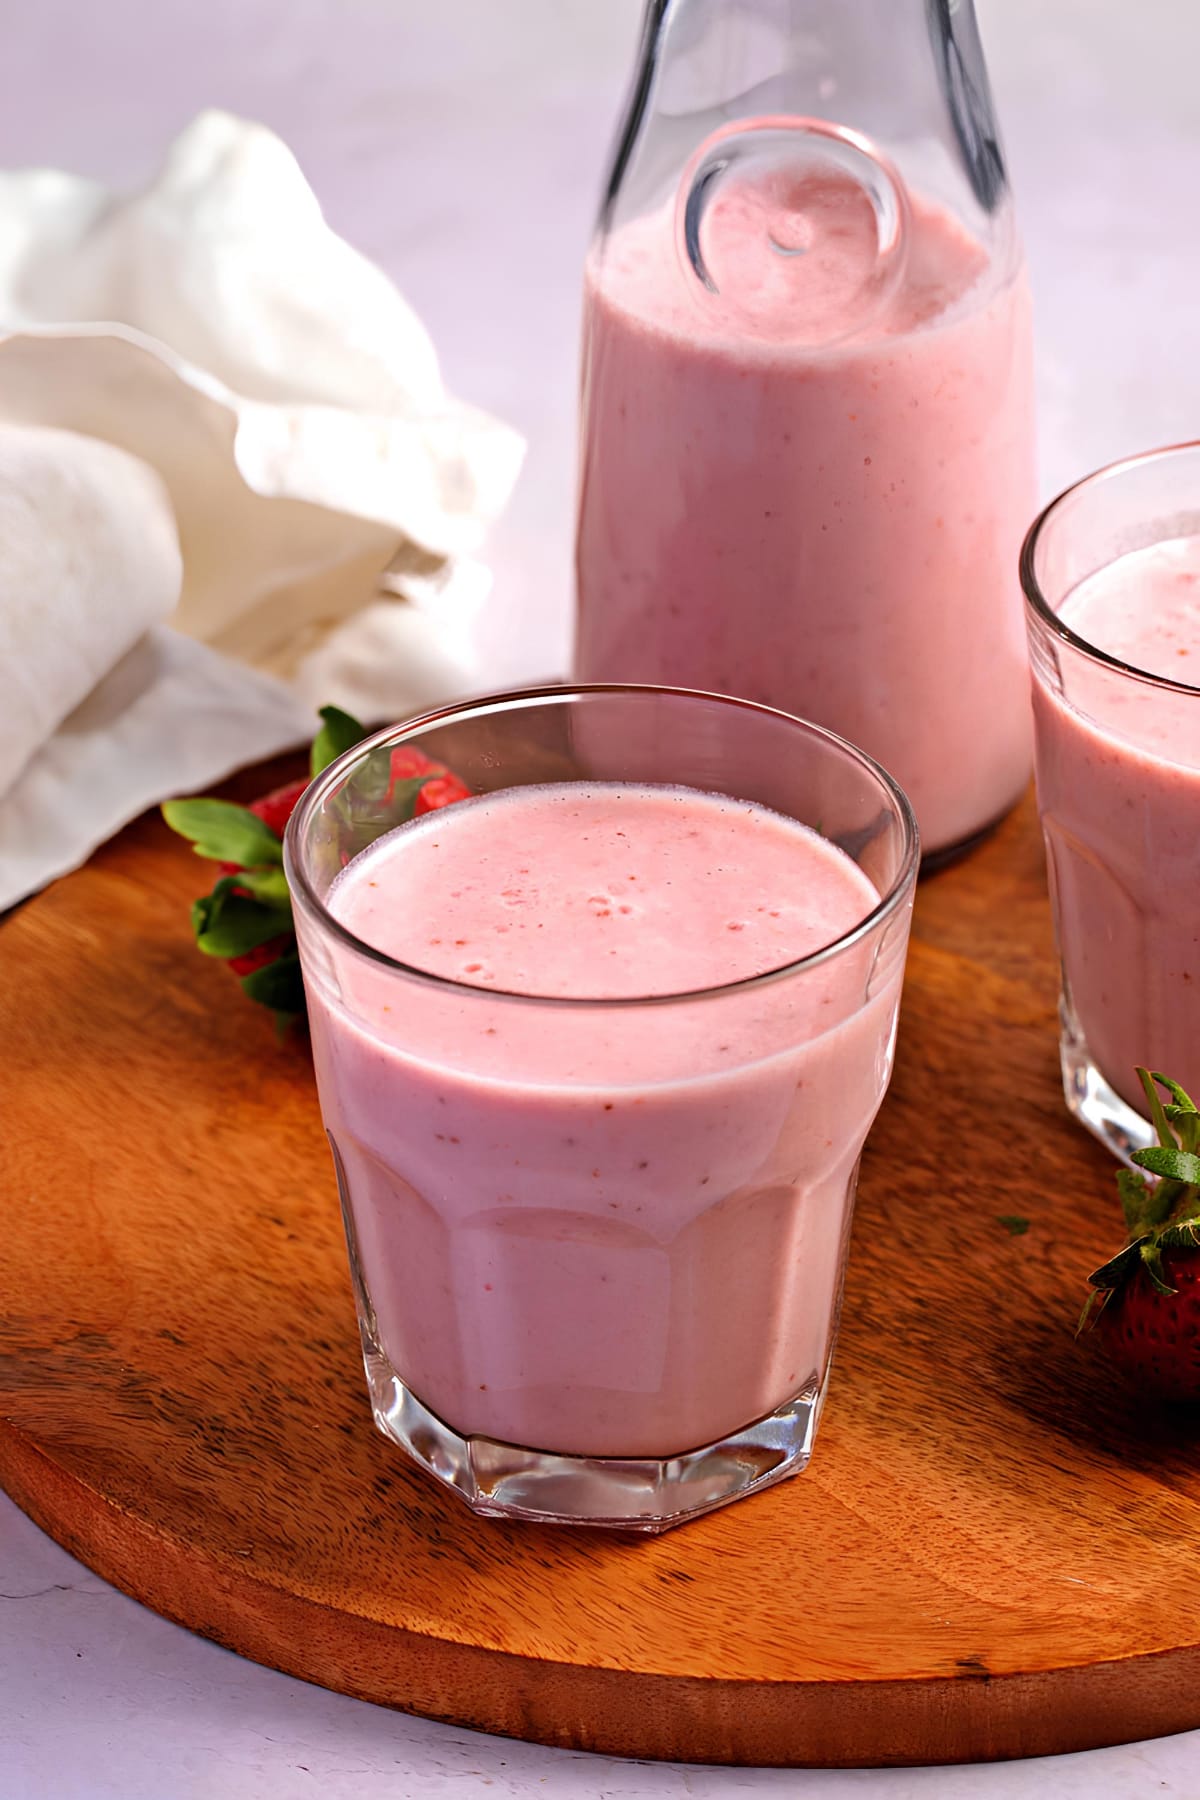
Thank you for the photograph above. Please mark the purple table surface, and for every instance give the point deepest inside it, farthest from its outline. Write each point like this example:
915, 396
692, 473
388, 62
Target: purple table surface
461, 144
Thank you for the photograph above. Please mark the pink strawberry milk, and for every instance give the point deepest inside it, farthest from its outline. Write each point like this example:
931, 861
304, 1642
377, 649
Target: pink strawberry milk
1119, 790
598, 1046
616, 1242
806, 468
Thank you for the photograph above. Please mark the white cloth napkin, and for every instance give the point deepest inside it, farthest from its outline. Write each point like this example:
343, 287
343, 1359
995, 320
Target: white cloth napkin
329, 497
89, 561
113, 757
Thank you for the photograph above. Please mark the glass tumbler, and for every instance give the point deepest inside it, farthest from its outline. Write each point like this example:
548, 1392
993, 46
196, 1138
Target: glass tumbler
597, 1245
1118, 775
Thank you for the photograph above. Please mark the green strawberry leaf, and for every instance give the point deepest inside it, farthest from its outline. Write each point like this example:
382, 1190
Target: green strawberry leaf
267, 885
1162, 1208
1093, 1306
1184, 1104
339, 732
1136, 1194
1176, 1165
402, 801
371, 780
224, 832
1187, 1124
1165, 1135
277, 985
1014, 1226
227, 923
371, 803
1184, 1234
1151, 1256
1111, 1274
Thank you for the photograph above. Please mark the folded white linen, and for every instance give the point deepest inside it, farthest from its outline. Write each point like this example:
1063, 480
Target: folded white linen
215, 326
89, 560
173, 717
328, 495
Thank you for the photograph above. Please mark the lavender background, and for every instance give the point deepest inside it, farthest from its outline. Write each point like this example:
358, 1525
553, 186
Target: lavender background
460, 143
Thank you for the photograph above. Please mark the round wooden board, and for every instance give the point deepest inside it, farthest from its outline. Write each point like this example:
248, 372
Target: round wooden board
993, 1554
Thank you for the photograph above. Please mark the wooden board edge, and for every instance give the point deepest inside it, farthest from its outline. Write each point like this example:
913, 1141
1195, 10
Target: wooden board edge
969, 1717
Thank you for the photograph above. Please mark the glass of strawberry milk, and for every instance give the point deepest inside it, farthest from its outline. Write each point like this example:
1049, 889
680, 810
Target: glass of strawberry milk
1111, 572
597, 1050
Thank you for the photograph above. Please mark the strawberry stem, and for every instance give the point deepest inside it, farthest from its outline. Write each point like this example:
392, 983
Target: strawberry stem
1161, 1207
1158, 1117
1151, 1254
1174, 1199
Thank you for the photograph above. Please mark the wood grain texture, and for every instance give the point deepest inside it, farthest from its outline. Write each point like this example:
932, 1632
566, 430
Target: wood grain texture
995, 1553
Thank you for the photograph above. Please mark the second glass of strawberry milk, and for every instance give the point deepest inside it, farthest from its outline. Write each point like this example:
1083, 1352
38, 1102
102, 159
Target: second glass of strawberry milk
1112, 582
807, 450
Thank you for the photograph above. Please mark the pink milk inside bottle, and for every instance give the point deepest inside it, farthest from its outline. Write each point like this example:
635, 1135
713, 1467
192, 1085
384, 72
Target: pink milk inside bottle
807, 414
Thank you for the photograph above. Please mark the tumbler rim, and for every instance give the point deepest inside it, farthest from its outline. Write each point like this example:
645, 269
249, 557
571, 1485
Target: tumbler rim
1038, 606
516, 699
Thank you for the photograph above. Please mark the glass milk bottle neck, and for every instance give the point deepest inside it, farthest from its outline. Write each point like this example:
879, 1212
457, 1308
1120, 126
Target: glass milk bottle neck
814, 128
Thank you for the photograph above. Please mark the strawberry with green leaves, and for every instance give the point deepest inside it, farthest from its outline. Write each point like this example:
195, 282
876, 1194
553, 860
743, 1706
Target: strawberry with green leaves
246, 919
1146, 1302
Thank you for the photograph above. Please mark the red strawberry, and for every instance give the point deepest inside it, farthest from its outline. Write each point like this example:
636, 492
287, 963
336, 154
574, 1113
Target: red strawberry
274, 809
251, 898
1154, 1333
1146, 1301
408, 763
266, 953
440, 790
277, 807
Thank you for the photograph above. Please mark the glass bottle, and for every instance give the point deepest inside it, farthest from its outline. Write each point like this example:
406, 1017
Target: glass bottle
807, 445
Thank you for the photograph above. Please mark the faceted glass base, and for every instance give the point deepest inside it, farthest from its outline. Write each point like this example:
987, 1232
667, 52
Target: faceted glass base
504, 1481
1091, 1099
509, 1481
